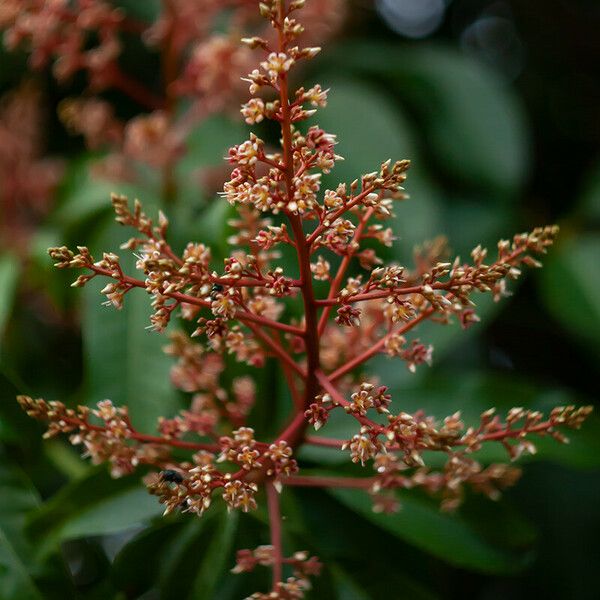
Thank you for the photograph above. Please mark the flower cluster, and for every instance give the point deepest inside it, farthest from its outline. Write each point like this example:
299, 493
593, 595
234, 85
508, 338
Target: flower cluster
303, 566
114, 441
28, 179
198, 64
239, 309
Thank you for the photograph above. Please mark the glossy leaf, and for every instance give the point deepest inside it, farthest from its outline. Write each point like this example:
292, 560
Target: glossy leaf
474, 125
22, 577
15, 581
137, 566
92, 505
84, 195
9, 272
217, 560
449, 537
124, 360
196, 553
571, 287
346, 588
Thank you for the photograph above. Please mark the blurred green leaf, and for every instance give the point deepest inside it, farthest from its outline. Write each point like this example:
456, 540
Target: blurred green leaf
474, 124
208, 143
363, 142
346, 588
206, 147
216, 562
137, 566
366, 143
22, 577
18, 499
448, 537
15, 581
9, 273
84, 195
65, 458
202, 547
92, 505
359, 580
124, 360
571, 287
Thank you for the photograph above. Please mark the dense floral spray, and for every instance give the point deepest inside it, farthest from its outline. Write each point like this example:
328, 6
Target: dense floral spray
238, 310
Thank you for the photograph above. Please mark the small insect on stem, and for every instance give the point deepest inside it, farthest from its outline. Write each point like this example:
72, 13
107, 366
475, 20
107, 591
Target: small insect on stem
171, 476
216, 289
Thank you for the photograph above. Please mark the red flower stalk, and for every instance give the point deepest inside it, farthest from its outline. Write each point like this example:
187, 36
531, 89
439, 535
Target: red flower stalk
238, 310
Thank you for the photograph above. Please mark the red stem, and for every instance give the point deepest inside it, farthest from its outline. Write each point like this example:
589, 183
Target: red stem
291, 433
311, 336
376, 348
325, 442
339, 399
241, 315
338, 213
337, 282
331, 482
276, 348
147, 439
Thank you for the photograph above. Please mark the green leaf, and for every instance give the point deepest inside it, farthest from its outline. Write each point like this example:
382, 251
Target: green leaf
474, 124
92, 505
206, 147
346, 587
208, 143
84, 195
449, 537
363, 142
21, 576
137, 566
9, 273
217, 559
149, 10
124, 360
198, 555
15, 581
18, 498
368, 583
570, 284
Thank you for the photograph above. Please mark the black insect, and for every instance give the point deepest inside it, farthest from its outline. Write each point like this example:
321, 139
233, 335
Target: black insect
171, 476
216, 289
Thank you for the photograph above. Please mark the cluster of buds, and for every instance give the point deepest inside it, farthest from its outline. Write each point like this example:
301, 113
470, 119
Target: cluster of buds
302, 564
56, 31
241, 308
399, 446
199, 64
28, 178
114, 441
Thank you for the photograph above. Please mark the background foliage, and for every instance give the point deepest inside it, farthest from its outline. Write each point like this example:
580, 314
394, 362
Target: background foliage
498, 110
